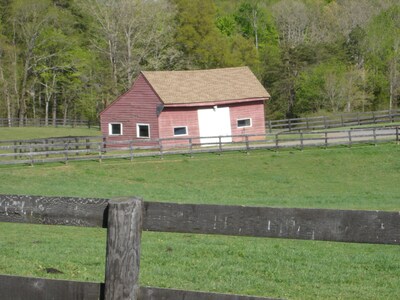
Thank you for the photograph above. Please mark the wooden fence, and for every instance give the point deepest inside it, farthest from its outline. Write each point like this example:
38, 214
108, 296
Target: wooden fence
334, 121
40, 122
98, 148
125, 218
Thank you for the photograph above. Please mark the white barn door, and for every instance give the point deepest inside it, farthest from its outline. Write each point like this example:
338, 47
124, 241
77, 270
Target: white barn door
214, 122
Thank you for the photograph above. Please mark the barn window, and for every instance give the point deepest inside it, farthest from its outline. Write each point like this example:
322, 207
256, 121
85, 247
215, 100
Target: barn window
143, 130
244, 122
115, 129
182, 130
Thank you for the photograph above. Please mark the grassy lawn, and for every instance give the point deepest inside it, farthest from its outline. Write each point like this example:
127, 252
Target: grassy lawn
21, 133
363, 177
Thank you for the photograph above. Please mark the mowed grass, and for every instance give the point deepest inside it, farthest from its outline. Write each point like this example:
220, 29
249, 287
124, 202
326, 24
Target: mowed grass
25, 133
363, 177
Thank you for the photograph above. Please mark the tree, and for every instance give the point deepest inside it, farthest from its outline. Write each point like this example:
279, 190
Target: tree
382, 49
198, 37
28, 20
132, 34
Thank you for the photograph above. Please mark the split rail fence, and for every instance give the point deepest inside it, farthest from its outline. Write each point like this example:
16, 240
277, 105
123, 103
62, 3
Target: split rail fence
334, 121
40, 122
125, 218
98, 148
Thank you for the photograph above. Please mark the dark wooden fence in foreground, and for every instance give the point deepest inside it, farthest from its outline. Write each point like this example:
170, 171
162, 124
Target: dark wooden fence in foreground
65, 149
334, 121
126, 217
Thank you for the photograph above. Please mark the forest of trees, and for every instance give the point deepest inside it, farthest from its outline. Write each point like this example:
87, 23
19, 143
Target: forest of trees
70, 58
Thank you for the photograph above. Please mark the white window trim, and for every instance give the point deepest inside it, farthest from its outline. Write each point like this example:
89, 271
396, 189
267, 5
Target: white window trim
251, 123
110, 128
187, 131
138, 131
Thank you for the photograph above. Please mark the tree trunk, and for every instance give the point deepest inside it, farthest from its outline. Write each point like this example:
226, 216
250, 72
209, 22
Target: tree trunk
46, 112
54, 110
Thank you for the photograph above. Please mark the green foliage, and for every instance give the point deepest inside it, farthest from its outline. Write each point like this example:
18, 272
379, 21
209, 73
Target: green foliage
94, 50
382, 51
197, 36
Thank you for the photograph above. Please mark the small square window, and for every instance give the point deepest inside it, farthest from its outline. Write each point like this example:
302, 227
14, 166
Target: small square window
244, 123
180, 130
143, 130
115, 129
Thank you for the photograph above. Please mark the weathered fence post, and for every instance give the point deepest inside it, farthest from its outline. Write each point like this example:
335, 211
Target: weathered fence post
31, 155
124, 230
161, 148
349, 132
131, 149
301, 141
220, 144
276, 142
397, 135
326, 140
66, 153
191, 147
374, 132
247, 144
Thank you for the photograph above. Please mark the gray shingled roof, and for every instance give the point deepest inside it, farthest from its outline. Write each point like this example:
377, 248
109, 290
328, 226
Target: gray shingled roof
187, 87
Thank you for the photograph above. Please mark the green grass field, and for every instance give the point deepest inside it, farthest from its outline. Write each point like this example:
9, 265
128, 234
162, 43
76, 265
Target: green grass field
363, 177
21, 133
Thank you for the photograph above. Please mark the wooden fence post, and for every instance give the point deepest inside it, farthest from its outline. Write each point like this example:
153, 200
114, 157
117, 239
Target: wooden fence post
276, 142
301, 141
191, 147
100, 151
247, 144
326, 140
220, 144
31, 155
270, 126
131, 149
66, 153
124, 230
374, 132
397, 134
349, 138
161, 148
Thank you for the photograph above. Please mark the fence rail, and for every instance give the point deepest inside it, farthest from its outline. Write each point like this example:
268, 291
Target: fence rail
123, 237
334, 121
67, 149
40, 122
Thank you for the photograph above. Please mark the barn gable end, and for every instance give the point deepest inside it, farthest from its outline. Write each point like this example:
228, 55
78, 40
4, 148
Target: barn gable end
137, 107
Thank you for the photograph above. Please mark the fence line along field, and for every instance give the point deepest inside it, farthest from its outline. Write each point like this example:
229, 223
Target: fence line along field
66, 149
335, 121
124, 218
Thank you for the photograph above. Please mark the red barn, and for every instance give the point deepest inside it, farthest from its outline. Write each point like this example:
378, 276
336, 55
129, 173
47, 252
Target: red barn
170, 104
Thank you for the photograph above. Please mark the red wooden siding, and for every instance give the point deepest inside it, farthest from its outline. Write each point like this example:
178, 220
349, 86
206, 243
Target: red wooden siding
252, 110
138, 105
187, 116
177, 117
